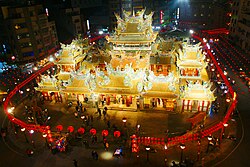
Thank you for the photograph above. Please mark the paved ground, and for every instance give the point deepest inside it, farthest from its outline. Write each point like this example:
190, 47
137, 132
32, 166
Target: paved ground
153, 124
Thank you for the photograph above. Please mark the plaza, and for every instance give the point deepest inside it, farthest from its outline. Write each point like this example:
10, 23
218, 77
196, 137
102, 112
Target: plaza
151, 97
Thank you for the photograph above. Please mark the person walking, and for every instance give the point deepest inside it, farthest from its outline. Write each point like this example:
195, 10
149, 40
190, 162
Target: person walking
104, 112
95, 138
99, 111
108, 124
91, 118
106, 146
75, 163
93, 154
96, 156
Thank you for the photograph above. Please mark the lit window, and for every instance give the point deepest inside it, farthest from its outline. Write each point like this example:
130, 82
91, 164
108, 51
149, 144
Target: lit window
202, 14
17, 27
47, 11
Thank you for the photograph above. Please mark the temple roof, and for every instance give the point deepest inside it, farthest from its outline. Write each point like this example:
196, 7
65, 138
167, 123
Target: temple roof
198, 91
134, 28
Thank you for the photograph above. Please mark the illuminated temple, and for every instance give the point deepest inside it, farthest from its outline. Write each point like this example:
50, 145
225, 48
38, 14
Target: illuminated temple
137, 69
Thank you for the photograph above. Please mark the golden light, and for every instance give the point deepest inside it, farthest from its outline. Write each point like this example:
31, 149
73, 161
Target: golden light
10, 110
228, 100
182, 146
225, 125
124, 119
106, 155
22, 129
235, 94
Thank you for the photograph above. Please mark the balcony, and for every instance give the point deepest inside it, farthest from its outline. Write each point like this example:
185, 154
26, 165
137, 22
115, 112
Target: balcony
132, 48
244, 26
18, 21
22, 30
246, 16
27, 49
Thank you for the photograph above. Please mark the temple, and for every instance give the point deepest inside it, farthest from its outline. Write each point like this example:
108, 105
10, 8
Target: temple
137, 69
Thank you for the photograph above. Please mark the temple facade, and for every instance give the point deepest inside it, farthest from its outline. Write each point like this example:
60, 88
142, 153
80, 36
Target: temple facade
137, 70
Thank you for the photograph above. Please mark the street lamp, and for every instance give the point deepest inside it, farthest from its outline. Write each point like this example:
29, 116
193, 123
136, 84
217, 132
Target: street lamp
199, 149
223, 131
23, 130
191, 31
124, 120
45, 137
165, 160
209, 138
147, 149
32, 141
228, 100
182, 146
138, 128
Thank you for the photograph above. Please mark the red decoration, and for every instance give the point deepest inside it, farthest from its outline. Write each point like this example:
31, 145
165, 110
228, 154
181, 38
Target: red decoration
59, 128
71, 129
81, 130
117, 133
105, 133
92, 131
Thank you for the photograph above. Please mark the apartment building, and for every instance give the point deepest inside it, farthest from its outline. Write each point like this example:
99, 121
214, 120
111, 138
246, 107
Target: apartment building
240, 24
29, 33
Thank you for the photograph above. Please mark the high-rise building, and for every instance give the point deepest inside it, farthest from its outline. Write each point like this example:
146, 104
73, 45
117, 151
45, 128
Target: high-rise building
240, 24
95, 11
29, 33
68, 18
200, 14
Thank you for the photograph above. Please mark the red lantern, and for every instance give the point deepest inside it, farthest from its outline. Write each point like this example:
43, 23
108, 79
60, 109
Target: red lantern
105, 133
92, 131
117, 133
71, 129
81, 130
59, 128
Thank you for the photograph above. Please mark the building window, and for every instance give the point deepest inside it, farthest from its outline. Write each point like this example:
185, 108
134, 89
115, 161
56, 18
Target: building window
25, 35
31, 13
19, 26
27, 54
26, 44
